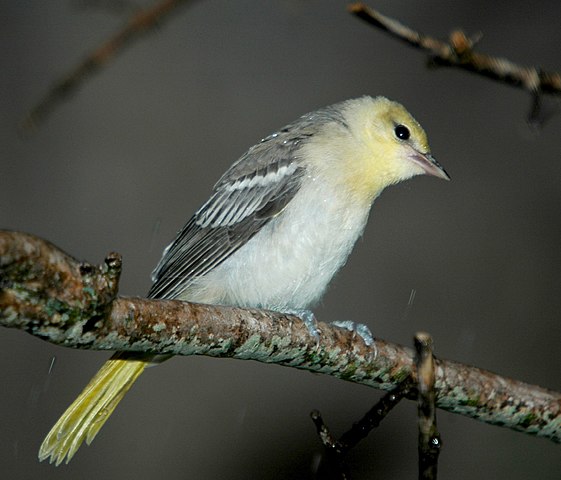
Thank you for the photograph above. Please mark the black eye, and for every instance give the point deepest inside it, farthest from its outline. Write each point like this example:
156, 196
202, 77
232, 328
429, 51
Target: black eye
402, 132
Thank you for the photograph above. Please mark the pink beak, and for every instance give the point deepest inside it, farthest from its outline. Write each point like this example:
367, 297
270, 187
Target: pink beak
429, 164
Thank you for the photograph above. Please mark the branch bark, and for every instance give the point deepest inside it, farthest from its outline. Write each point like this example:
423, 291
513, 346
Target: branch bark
459, 52
429, 438
52, 296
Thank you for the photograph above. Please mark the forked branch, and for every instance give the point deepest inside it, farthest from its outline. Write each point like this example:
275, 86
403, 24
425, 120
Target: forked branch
460, 52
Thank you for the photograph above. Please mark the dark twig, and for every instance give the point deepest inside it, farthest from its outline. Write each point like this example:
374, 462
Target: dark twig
459, 52
327, 439
373, 417
332, 447
429, 438
52, 296
337, 449
141, 23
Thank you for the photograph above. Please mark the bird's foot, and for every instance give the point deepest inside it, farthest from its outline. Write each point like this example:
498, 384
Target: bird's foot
362, 330
309, 319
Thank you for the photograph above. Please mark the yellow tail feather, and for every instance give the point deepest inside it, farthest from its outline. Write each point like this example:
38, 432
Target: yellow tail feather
87, 414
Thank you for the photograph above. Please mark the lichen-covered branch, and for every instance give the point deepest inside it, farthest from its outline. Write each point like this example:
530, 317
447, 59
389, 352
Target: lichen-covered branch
459, 52
55, 297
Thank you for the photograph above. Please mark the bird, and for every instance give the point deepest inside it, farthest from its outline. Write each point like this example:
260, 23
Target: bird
279, 224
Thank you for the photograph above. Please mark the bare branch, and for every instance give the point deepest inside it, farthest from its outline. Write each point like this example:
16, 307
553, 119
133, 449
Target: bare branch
374, 416
332, 447
429, 438
53, 296
337, 449
141, 23
325, 435
459, 52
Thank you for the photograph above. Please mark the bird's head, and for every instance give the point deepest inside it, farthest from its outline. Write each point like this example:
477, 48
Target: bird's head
380, 144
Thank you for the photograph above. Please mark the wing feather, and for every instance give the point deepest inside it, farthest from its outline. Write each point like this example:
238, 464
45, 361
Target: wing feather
230, 218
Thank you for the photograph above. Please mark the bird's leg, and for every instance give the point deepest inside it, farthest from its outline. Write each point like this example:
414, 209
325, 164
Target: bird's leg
360, 328
309, 319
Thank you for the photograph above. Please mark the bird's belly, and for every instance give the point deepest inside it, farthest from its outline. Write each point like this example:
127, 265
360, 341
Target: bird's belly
288, 264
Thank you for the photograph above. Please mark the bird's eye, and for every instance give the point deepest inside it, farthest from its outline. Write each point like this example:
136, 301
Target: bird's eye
402, 132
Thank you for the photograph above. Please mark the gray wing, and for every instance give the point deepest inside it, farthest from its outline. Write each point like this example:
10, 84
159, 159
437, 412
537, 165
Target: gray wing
255, 189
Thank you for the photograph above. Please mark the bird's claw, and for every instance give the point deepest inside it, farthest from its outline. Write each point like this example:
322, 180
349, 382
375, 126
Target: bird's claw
309, 319
360, 328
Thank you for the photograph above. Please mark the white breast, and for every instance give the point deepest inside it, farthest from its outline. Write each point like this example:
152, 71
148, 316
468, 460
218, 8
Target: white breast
288, 264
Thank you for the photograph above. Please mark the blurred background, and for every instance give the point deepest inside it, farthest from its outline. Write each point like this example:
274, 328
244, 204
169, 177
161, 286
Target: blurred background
124, 163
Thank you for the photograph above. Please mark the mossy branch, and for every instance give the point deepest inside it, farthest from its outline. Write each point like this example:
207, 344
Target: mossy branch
51, 295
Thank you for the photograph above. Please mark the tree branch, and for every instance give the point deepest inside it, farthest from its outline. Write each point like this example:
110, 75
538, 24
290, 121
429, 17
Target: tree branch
138, 25
337, 449
459, 52
66, 302
429, 438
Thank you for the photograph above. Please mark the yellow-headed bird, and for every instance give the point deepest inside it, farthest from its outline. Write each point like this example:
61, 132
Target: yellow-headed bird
279, 224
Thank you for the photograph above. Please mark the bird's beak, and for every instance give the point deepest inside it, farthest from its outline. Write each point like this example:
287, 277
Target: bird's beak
429, 164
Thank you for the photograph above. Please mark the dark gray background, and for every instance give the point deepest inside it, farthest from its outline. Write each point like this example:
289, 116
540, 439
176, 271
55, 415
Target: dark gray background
124, 164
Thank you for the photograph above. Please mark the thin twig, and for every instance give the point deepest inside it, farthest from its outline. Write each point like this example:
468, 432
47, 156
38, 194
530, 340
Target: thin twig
141, 23
459, 52
373, 417
52, 296
325, 435
331, 445
337, 449
429, 438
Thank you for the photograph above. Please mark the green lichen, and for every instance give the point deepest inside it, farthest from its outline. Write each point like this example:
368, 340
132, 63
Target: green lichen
468, 402
401, 375
251, 346
349, 372
313, 357
54, 306
159, 327
528, 420
90, 291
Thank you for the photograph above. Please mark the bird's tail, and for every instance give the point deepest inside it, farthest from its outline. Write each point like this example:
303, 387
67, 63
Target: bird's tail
87, 414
